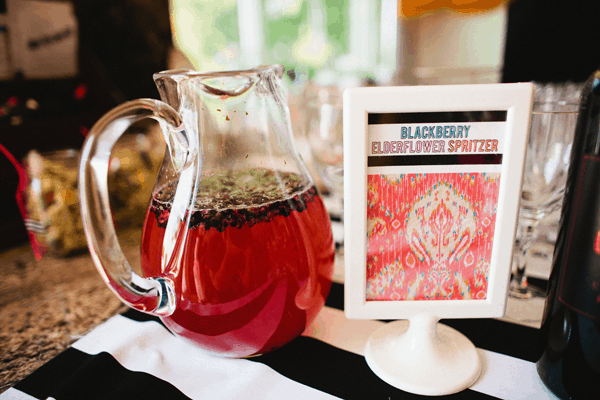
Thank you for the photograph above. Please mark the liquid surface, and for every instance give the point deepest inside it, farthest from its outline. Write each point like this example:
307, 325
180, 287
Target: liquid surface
257, 261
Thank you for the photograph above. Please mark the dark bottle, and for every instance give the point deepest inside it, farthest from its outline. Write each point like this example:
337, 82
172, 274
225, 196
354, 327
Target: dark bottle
570, 364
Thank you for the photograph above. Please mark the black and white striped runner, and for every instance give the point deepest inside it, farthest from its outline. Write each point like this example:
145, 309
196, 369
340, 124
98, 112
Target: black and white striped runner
134, 356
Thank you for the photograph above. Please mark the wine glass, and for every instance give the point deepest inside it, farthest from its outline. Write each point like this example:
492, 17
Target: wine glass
325, 137
553, 120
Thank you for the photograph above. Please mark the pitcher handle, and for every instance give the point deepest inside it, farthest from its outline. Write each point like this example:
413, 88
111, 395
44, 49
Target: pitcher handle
153, 295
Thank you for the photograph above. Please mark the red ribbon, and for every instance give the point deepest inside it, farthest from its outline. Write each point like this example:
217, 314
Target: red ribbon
20, 197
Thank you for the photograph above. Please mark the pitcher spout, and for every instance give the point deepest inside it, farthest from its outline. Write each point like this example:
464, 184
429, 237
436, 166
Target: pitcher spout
167, 83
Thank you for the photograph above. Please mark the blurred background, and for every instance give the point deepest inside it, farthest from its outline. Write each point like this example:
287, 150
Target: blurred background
63, 64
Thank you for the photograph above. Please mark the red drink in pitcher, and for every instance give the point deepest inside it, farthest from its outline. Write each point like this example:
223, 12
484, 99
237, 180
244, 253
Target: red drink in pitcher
257, 262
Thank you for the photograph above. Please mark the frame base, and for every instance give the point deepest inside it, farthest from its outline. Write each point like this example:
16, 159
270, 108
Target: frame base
428, 358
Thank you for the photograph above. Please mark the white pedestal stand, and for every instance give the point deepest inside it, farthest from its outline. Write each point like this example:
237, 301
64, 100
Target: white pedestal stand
428, 358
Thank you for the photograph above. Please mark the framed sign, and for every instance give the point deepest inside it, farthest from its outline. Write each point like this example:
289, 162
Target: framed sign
432, 180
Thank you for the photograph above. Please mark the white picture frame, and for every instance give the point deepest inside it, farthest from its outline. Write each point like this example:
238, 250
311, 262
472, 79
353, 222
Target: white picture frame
513, 98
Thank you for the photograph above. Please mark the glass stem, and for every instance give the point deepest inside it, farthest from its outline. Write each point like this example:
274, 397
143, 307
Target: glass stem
519, 285
525, 240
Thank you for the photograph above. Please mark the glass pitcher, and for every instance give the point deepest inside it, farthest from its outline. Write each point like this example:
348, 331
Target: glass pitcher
237, 249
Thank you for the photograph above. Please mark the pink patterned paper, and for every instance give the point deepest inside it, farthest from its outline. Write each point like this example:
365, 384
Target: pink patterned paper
430, 236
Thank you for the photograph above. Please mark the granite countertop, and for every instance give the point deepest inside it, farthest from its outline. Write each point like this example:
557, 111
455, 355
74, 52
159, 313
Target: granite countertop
47, 305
